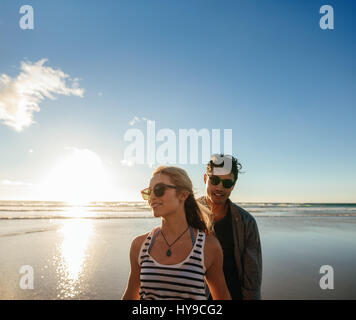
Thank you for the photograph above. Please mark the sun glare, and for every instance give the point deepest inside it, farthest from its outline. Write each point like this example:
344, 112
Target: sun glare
78, 177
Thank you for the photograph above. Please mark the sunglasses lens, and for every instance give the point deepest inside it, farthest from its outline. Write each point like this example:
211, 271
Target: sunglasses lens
228, 184
159, 190
215, 180
145, 194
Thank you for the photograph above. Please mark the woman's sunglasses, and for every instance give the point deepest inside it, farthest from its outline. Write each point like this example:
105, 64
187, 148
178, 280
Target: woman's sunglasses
227, 183
158, 190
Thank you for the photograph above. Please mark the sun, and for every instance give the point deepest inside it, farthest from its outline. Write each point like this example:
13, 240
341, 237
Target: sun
79, 176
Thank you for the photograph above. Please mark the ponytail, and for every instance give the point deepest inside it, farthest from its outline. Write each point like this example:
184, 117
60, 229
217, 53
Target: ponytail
197, 216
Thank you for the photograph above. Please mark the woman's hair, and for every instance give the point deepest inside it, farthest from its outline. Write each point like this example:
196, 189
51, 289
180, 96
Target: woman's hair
196, 214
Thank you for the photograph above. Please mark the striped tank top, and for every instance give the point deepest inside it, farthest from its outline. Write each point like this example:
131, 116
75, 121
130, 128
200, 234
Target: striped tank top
184, 280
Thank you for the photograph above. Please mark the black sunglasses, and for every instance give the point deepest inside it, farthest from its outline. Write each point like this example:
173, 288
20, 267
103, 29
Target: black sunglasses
227, 183
159, 189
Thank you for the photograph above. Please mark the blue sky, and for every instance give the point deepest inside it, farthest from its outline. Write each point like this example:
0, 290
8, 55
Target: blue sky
264, 69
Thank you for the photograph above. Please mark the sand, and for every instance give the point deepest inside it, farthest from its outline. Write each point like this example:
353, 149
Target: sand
89, 258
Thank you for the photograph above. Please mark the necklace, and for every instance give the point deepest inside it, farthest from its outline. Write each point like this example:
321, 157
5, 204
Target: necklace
169, 252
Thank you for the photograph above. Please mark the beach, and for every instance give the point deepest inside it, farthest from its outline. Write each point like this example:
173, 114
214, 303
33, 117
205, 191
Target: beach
88, 258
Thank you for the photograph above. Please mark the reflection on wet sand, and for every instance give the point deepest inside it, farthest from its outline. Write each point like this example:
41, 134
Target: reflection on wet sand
72, 257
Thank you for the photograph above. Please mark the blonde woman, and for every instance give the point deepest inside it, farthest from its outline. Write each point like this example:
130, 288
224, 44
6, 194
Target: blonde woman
177, 259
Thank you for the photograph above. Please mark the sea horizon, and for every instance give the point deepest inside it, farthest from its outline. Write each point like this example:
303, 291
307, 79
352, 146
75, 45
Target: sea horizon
35, 209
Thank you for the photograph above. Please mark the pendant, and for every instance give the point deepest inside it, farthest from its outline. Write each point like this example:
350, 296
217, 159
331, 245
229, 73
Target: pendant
169, 252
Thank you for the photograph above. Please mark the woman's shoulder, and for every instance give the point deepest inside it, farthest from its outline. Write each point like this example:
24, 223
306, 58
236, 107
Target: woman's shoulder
139, 239
137, 242
212, 250
212, 243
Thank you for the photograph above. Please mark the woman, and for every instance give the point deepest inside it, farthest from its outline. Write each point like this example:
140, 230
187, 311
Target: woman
175, 261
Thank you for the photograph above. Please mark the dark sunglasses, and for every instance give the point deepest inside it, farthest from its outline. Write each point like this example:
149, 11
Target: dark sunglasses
227, 183
159, 189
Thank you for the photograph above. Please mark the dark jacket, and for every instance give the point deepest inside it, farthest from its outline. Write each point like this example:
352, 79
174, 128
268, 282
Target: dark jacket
247, 250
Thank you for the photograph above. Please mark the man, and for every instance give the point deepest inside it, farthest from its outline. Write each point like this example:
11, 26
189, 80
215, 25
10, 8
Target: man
235, 228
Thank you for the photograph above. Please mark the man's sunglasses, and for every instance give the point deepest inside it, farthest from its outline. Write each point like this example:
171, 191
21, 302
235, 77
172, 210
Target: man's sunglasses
227, 183
159, 189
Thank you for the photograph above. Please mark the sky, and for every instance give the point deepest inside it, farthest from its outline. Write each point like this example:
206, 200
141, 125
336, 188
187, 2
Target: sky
88, 72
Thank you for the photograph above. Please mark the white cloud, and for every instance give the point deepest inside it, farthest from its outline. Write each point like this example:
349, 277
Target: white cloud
134, 120
20, 97
138, 119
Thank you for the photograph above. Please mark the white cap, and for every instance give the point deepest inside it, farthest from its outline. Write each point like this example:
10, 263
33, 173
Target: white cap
222, 165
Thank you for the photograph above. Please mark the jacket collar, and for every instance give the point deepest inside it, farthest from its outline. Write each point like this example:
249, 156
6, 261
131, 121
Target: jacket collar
233, 209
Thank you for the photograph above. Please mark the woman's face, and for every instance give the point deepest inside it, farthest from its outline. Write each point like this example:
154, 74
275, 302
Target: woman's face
168, 203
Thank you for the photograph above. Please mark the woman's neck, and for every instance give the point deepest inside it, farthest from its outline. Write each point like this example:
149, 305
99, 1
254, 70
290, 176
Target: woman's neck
174, 224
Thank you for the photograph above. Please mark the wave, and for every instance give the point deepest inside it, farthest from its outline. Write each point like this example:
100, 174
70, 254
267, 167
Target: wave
124, 209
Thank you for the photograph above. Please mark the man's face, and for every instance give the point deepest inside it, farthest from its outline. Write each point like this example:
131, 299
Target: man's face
217, 193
